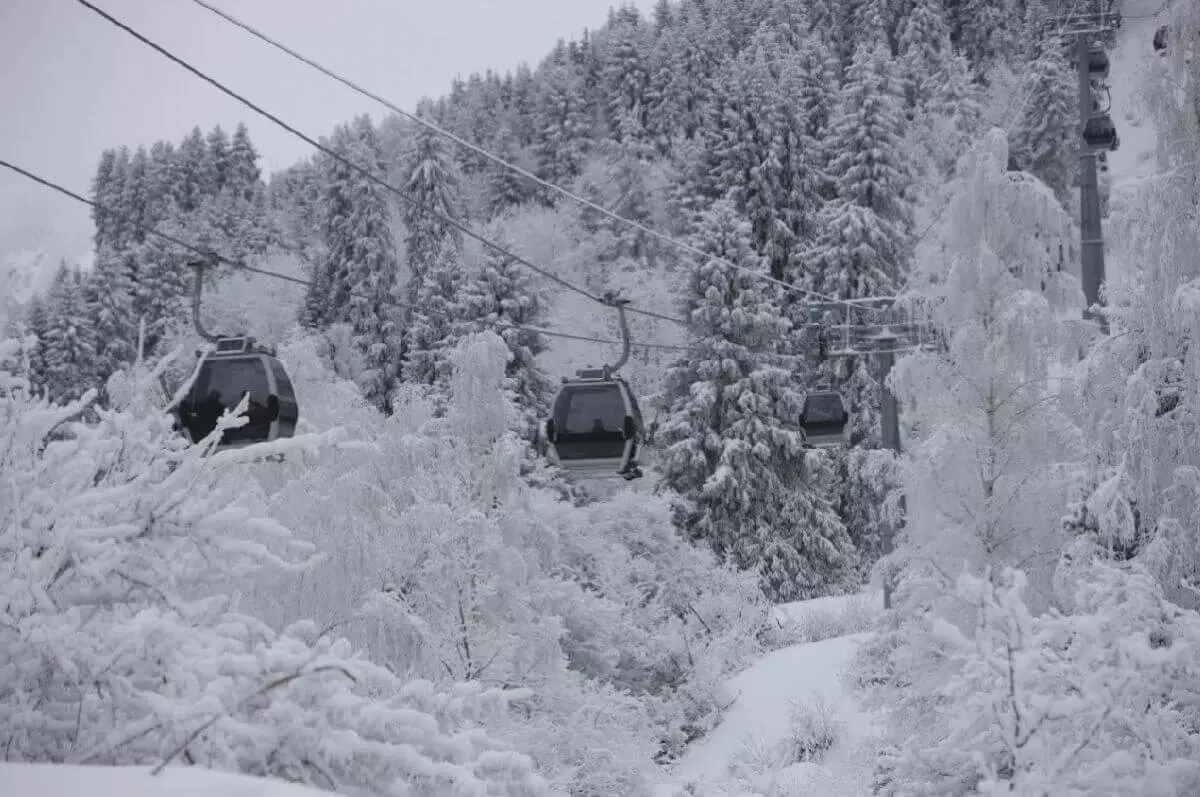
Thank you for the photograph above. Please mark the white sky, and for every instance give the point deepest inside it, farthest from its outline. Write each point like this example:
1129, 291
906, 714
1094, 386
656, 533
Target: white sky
71, 84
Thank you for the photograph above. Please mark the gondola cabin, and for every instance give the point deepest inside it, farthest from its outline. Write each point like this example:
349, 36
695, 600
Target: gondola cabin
595, 426
824, 419
237, 366
1097, 63
1101, 134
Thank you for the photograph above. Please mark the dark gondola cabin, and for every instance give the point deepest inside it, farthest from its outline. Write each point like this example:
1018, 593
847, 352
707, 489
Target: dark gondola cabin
1100, 133
1160, 39
236, 367
824, 418
595, 426
1097, 64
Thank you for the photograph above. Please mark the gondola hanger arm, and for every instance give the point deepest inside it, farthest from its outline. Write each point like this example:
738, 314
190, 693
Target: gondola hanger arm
613, 300
200, 264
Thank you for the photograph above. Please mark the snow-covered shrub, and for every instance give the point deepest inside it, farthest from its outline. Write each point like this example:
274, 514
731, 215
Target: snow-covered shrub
814, 727
119, 644
798, 624
443, 561
1099, 702
678, 622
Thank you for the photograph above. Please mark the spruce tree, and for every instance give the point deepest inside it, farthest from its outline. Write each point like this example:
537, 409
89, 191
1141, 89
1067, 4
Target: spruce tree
188, 181
110, 309
437, 324
562, 126
924, 49
103, 194
503, 188
815, 93
732, 450
244, 176
37, 321
69, 350
136, 199
159, 182
433, 181
502, 291
216, 163
163, 281
1044, 138
625, 73
359, 268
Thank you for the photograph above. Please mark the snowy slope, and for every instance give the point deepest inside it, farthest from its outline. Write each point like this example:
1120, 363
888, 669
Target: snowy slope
1132, 60
52, 780
754, 749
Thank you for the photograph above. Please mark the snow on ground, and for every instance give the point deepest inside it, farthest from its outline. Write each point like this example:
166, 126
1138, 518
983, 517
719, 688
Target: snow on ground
55, 780
1132, 62
791, 699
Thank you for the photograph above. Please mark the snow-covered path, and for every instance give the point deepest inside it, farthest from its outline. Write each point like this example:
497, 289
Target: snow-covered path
1132, 60
51, 780
752, 751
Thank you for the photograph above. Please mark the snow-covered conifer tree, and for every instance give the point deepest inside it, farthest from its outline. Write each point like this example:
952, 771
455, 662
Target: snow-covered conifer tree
432, 180
214, 169
358, 275
502, 291
438, 322
563, 127
1045, 136
69, 346
111, 309
866, 232
503, 188
188, 184
732, 450
924, 50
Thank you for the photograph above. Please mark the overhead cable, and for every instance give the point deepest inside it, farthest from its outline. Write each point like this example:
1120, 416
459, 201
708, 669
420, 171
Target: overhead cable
363, 171
478, 150
241, 265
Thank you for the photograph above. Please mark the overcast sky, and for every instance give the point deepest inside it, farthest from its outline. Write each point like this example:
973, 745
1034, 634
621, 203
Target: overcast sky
71, 84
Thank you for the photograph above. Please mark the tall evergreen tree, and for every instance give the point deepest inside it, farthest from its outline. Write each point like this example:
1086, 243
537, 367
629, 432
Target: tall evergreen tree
103, 193
924, 49
504, 292
244, 176
69, 350
503, 188
37, 321
1044, 138
563, 128
625, 73
136, 199
159, 182
731, 448
215, 166
359, 268
110, 309
866, 237
432, 179
437, 323
189, 169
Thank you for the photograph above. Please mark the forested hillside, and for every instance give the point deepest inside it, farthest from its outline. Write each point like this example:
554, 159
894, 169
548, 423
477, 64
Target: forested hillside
805, 141
801, 150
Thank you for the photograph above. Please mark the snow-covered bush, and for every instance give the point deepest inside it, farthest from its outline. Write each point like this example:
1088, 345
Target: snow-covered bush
1100, 702
120, 644
443, 562
829, 618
